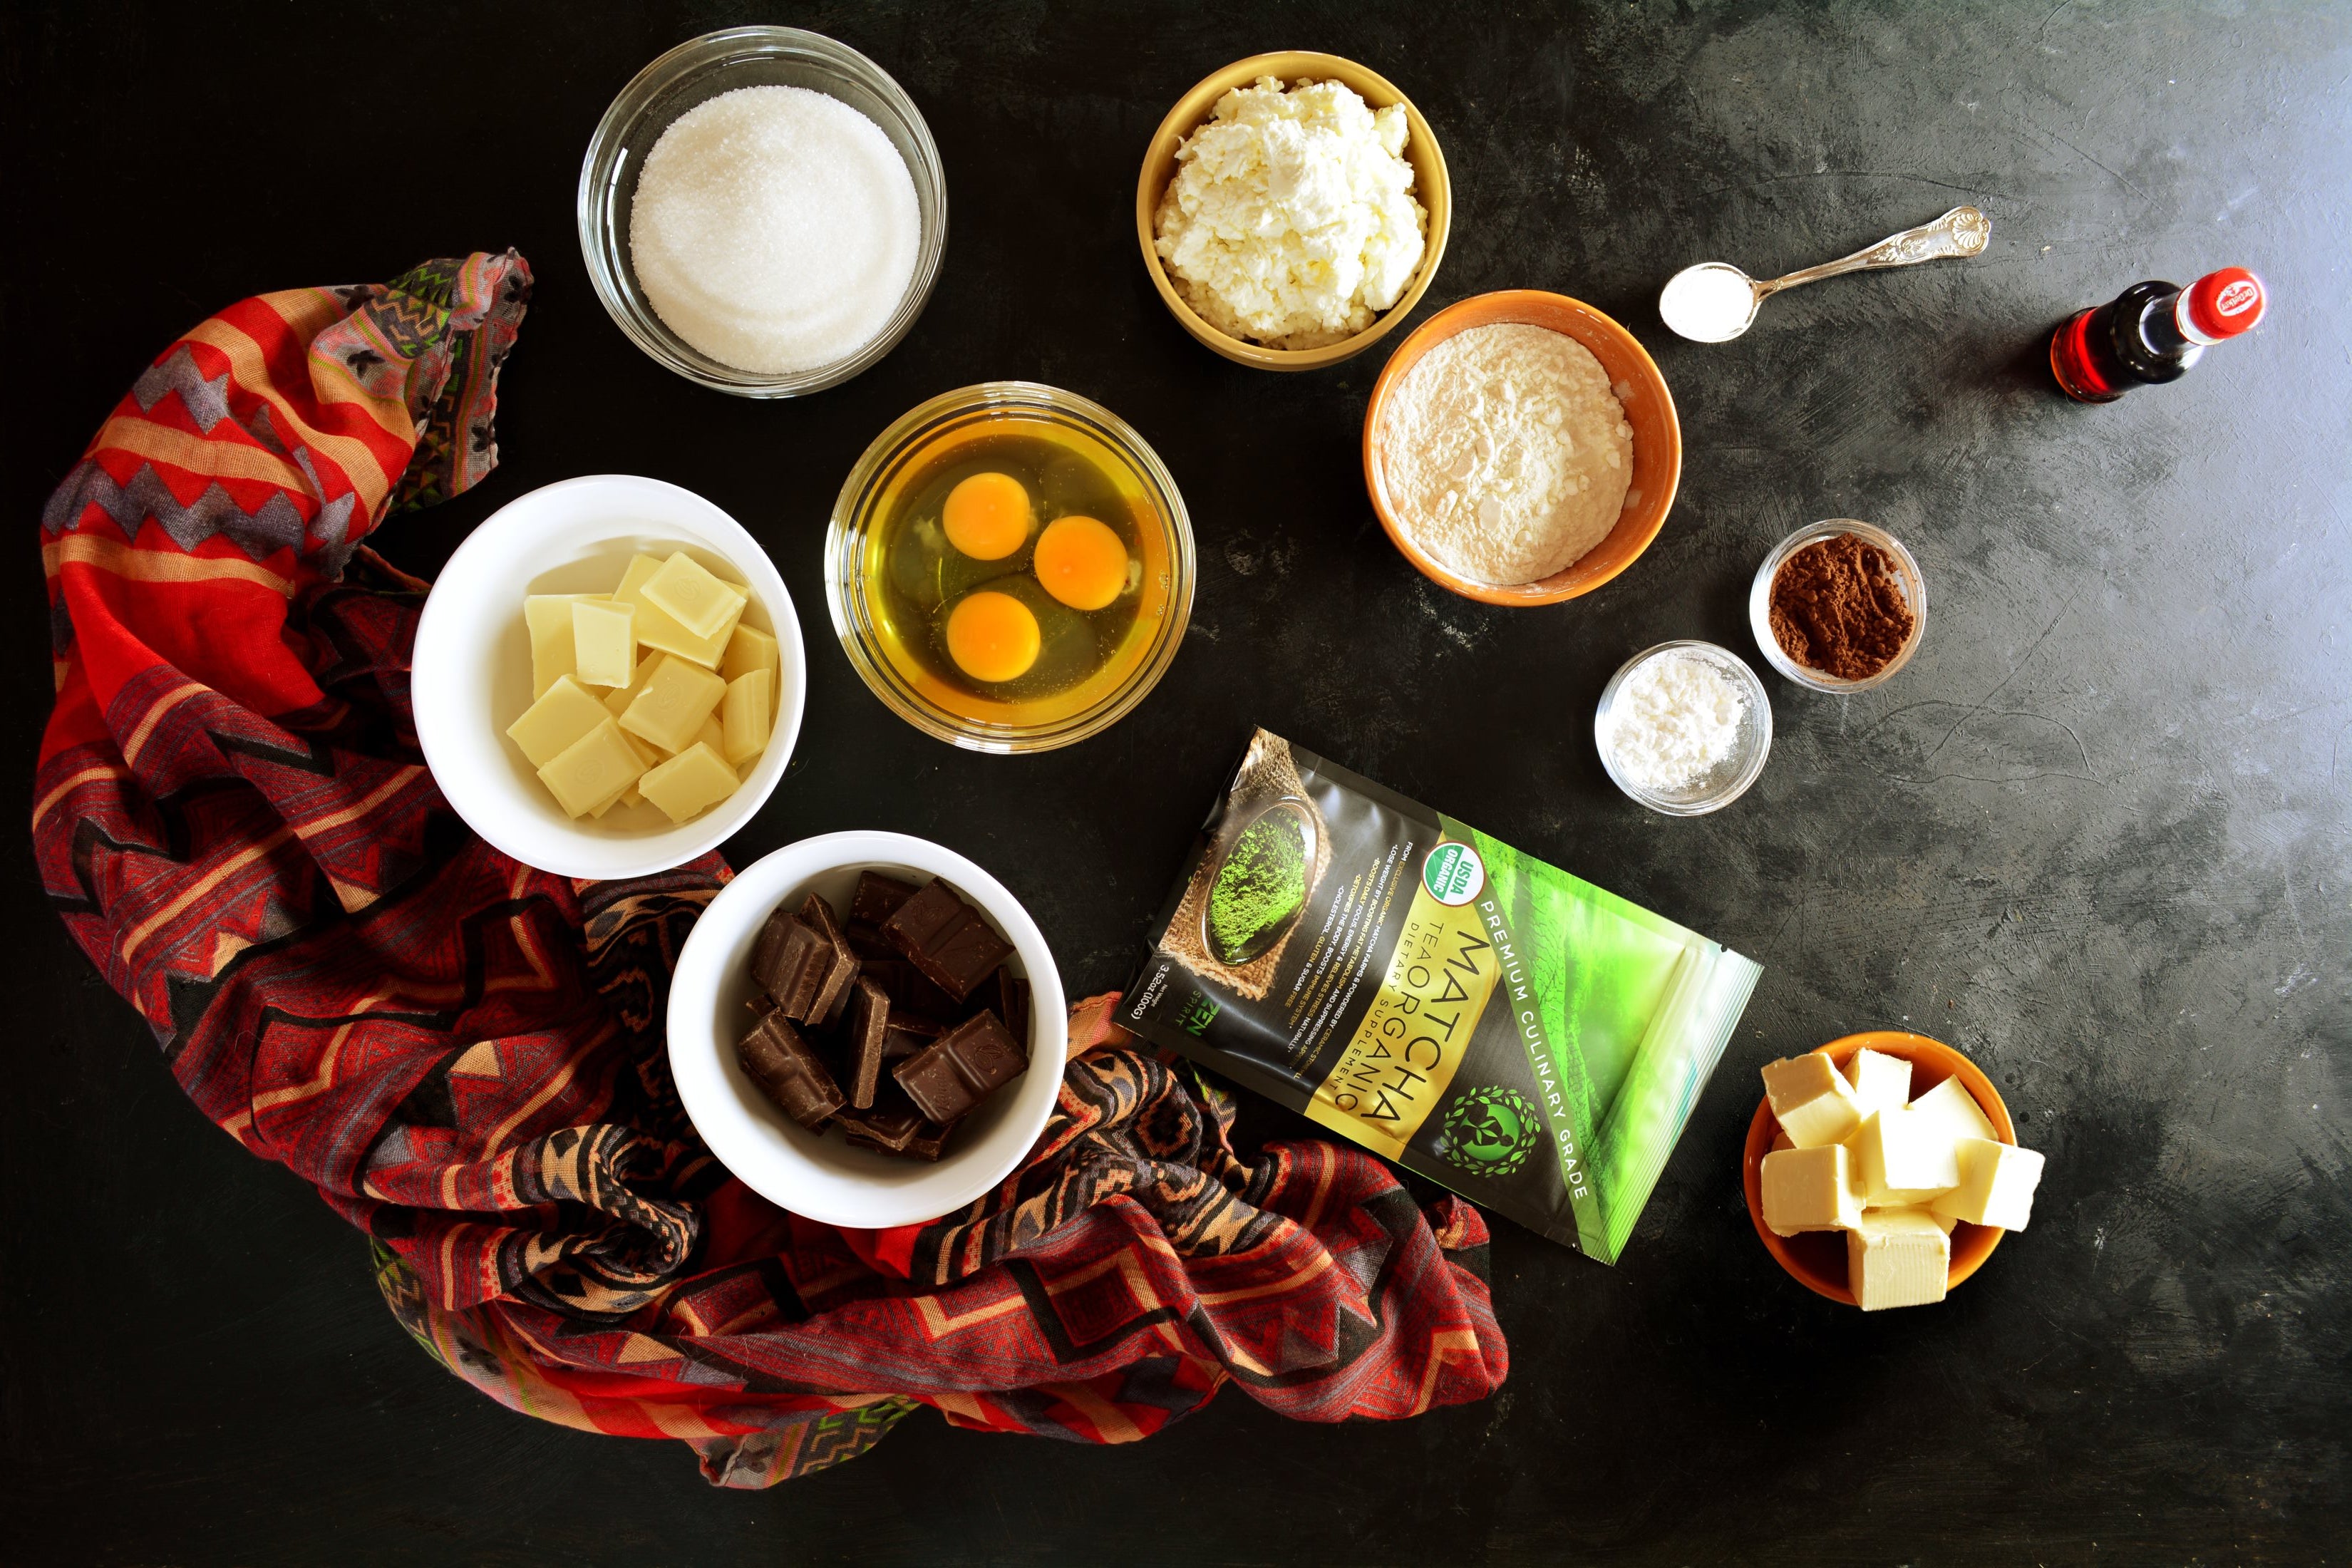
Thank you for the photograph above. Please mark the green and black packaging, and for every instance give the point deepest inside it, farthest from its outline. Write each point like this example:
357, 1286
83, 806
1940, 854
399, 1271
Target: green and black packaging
1457, 1006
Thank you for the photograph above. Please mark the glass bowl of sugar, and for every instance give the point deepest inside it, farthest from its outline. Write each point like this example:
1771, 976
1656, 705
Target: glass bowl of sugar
762, 210
1683, 728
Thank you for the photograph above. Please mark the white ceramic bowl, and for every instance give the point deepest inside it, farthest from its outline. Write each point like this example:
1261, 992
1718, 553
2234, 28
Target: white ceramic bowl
818, 1175
471, 677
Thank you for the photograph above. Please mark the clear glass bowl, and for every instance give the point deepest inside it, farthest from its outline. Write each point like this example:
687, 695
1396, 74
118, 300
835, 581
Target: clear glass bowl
700, 69
900, 456
1760, 602
1730, 778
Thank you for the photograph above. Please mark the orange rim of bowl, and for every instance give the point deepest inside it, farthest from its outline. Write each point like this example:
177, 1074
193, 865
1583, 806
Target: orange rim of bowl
1433, 188
1657, 440
1971, 1244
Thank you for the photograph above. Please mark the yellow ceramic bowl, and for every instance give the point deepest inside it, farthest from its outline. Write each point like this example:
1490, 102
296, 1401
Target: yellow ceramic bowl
1649, 409
1430, 187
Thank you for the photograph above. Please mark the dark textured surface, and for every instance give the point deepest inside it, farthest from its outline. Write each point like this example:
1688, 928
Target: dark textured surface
2096, 834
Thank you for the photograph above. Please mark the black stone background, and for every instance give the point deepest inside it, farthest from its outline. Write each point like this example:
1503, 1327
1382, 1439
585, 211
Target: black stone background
2095, 834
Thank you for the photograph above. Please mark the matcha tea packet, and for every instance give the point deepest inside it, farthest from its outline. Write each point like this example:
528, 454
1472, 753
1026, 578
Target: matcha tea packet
1464, 1009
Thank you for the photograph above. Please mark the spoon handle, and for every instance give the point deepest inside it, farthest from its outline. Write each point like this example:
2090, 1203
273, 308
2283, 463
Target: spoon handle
1963, 231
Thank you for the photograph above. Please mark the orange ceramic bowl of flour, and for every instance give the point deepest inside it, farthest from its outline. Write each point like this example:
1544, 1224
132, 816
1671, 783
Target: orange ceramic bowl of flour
1816, 1259
1633, 377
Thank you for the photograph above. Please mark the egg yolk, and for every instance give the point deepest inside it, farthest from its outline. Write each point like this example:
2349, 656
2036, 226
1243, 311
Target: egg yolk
991, 636
987, 516
1081, 562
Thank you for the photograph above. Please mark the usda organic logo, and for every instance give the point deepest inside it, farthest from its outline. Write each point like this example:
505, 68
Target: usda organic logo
1453, 874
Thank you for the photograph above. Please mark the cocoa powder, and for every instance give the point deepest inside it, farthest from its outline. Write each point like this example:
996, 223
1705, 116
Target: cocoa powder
1838, 607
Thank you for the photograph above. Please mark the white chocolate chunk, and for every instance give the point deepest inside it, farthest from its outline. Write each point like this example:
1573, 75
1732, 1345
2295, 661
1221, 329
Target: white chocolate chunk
564, 713
1906, 1158
617, 700
1952, 1109
689, 782
748, 649
669, 711
603, 642
1810, 1189
548, 618
594, 771
1897, 1258
690, 596
1811, 1100
657, 629
1997, 1182
745, 712
1880, 1082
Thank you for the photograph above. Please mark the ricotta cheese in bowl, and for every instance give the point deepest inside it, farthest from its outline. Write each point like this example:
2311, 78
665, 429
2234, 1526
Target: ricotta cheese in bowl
1291, 220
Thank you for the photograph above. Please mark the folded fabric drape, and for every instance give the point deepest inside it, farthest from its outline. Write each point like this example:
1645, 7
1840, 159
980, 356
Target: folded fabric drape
464, 1055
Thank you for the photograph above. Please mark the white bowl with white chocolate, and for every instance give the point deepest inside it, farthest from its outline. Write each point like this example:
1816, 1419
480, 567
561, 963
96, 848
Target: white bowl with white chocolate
512, 680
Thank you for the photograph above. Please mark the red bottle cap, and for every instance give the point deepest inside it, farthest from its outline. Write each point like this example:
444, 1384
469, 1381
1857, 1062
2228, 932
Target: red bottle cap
2220, 305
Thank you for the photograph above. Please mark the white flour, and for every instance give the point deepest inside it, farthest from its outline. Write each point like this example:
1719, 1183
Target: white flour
1505, 455
1674, 720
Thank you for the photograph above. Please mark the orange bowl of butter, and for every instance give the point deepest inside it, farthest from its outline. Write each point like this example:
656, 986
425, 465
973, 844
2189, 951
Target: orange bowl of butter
1266, 311
1535, 499
1841, 1184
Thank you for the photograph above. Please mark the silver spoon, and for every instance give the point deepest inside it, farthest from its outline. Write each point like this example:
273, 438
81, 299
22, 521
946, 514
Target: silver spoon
1703, 304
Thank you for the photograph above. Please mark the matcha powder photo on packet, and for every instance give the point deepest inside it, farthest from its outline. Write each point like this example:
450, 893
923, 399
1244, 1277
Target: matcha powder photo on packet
1470, 1012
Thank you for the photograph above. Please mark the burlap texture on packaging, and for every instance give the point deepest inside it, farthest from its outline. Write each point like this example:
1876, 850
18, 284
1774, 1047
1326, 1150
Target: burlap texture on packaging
1267, 775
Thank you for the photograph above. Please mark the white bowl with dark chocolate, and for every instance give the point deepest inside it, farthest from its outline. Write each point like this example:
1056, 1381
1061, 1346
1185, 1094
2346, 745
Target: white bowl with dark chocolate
777, 1025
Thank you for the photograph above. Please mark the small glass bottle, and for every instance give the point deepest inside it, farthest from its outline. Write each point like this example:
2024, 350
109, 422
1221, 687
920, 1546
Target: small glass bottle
2152, 332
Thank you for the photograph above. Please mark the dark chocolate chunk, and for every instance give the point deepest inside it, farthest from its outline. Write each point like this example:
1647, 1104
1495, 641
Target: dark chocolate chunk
817, 915
877, 898
867, 1029
910, 992
1006, 995
890, 1131
945, 939
955, 1072
790, 964
788, 1071
760, 1003
866, 942
930, 1142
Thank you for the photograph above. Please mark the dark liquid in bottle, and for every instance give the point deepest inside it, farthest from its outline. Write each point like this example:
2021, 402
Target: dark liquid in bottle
2132, 340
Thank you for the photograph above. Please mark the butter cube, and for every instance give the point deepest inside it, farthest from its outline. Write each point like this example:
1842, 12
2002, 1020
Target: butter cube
748, 649
1880, 1082
1811, 1100
1906, 1158
1810, 1189
1953, 1111
669, 711
1997, 1182
657, 629
565, 712
745, 711
691, 596
689, 782
594, 770
548, 618
1897, 1258
603, 641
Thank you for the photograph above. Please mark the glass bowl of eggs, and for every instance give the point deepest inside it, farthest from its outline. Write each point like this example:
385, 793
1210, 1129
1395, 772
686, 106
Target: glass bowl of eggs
1010, 567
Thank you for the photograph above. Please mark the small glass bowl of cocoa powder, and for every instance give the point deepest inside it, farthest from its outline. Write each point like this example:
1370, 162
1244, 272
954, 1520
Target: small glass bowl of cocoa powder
1838, 606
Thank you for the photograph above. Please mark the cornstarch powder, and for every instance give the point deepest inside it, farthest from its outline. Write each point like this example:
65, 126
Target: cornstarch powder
1674, 720
1504, 453
774, 228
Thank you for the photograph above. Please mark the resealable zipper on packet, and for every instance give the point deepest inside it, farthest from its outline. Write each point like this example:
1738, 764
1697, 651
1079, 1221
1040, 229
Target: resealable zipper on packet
1464, 1009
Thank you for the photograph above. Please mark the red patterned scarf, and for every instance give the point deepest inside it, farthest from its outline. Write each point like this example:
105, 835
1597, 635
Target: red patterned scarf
465, 1057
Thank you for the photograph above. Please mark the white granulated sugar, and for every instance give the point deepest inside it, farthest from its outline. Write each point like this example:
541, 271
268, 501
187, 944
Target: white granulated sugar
1504, 453
1707, 304
774, 229
1291, 220
1674, 720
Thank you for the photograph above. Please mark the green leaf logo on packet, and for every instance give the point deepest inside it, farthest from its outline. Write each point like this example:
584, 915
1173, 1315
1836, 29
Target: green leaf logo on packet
1491, 1132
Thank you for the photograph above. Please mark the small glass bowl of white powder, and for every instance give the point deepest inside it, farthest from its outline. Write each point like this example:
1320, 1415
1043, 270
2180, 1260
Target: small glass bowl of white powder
1683, 728
792, 237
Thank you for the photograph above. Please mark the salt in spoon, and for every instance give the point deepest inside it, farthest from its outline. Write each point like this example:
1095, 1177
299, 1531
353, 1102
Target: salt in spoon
1703, 304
